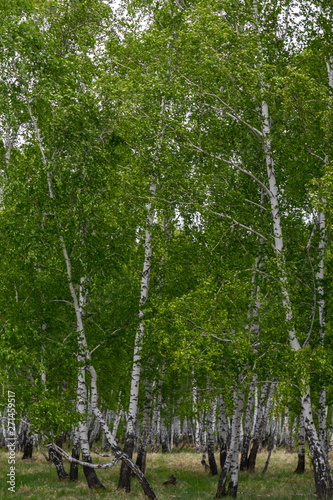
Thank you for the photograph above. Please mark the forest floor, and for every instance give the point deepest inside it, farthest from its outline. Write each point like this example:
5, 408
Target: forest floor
37, 479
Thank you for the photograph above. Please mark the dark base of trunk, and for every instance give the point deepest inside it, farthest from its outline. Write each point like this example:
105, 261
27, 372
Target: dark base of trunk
301, 465
27, 452
142, 460
62, 474
125, 472
165, 447
91, 476
245, 452
212, 461
74, 470
232, 490
251, 465
223, 456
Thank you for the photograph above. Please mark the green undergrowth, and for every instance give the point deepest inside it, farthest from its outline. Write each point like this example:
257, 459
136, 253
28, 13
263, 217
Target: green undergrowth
37, 479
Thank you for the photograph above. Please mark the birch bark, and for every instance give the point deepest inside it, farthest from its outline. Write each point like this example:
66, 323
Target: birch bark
248, 424
322, 471
210, 438
223, 431
125, 472
301, 445
78, 303
231, 462
142, 451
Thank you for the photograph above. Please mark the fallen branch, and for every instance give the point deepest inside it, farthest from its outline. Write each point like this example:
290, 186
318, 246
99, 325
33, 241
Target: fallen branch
86, 464
125, 458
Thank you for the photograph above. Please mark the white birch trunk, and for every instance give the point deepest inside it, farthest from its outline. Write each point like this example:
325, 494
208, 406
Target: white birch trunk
176, 426
197, 436
322, 471
223, 431
83, 354
301, 445
231, 462
210, 437
248, 423
125, 473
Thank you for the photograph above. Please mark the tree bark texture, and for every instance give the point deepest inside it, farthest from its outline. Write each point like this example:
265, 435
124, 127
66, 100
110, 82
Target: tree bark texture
142, 450
247, 425
232, 455
74, 469
125, 473
210, 438
223, 431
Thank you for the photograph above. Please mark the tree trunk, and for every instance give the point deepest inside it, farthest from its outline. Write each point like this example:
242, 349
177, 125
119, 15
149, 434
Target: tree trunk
223, 432
118, 453
210, 439
28, 447
232, 456
301, 445
74, 468
176, 431
321, 467
270, 444
142, 451
259, 428
125, 474
248, 425
62, 474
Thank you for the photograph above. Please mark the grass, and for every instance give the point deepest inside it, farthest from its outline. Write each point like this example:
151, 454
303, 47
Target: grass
37, 479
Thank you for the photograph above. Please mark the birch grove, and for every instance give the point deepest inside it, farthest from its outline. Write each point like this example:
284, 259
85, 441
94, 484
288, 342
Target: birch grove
166, 213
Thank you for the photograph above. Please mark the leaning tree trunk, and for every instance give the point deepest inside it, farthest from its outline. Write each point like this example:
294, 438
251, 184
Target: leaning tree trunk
62, 474
149, 493
125, 472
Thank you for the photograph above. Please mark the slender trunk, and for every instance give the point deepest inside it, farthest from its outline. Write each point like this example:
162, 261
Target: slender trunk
164, 437
125, 472
176, 435
320, 463
301, 445
231, 462
322, 470
83, 354
260, 426
322, 411
223, 432
94, 434
270, 445
197, 436
288, 434
210, 439
142, 451
74, 469
248, 425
